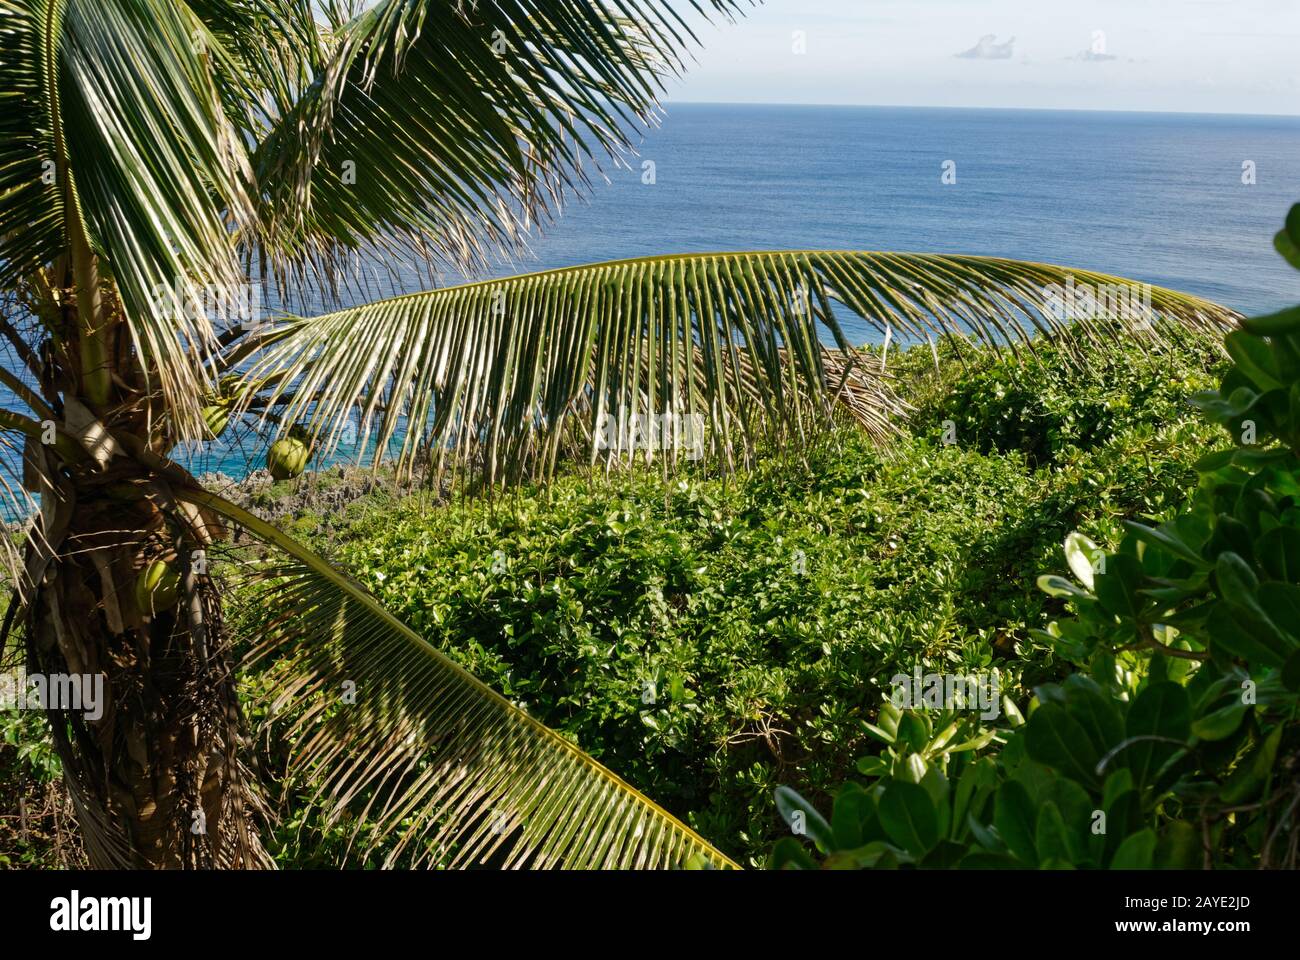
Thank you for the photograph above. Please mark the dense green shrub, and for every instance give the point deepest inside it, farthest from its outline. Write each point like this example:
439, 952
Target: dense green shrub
712, 640
1177, 741
1046, 406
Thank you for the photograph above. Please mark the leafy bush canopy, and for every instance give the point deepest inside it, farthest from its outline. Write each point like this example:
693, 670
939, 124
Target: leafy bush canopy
712, 640
1173, 742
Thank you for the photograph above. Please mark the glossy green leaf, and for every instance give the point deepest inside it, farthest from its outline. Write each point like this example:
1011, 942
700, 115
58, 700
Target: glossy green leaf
1161, 711
907, 813
804, 819
1014, 817
1137, 852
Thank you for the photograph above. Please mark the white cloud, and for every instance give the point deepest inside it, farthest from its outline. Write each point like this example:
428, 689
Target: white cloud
988, 48
1153, 55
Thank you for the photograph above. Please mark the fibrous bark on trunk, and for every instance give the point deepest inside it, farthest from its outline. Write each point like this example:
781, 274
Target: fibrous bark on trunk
156, 778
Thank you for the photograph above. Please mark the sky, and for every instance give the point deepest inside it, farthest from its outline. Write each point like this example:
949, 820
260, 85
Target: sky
1199, 56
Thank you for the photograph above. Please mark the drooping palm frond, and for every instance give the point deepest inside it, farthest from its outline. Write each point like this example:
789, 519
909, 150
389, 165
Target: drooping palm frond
445, 770
440, 129
494, 373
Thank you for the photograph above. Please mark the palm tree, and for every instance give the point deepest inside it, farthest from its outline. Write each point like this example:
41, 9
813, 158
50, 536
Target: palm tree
152, 148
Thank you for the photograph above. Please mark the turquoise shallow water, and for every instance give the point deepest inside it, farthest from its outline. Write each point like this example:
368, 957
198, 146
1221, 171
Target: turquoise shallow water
1157, 198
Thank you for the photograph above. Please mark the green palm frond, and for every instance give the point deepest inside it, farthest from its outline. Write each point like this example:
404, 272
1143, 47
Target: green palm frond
502, 374
31, 223
277, 50
447, 771
440, 129
121, 149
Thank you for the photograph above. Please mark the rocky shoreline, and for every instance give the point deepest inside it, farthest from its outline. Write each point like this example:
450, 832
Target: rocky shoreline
326, 493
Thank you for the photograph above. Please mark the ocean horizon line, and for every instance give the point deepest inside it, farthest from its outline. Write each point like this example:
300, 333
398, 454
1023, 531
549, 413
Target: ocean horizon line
671, 102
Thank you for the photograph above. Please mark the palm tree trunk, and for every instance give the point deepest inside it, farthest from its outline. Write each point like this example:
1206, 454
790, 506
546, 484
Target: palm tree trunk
154, 768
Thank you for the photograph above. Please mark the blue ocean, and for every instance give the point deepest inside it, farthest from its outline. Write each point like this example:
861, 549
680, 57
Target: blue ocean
1156, 198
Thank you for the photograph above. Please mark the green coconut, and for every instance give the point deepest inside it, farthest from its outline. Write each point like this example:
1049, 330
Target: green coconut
288, 456
216, 417
157, 587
